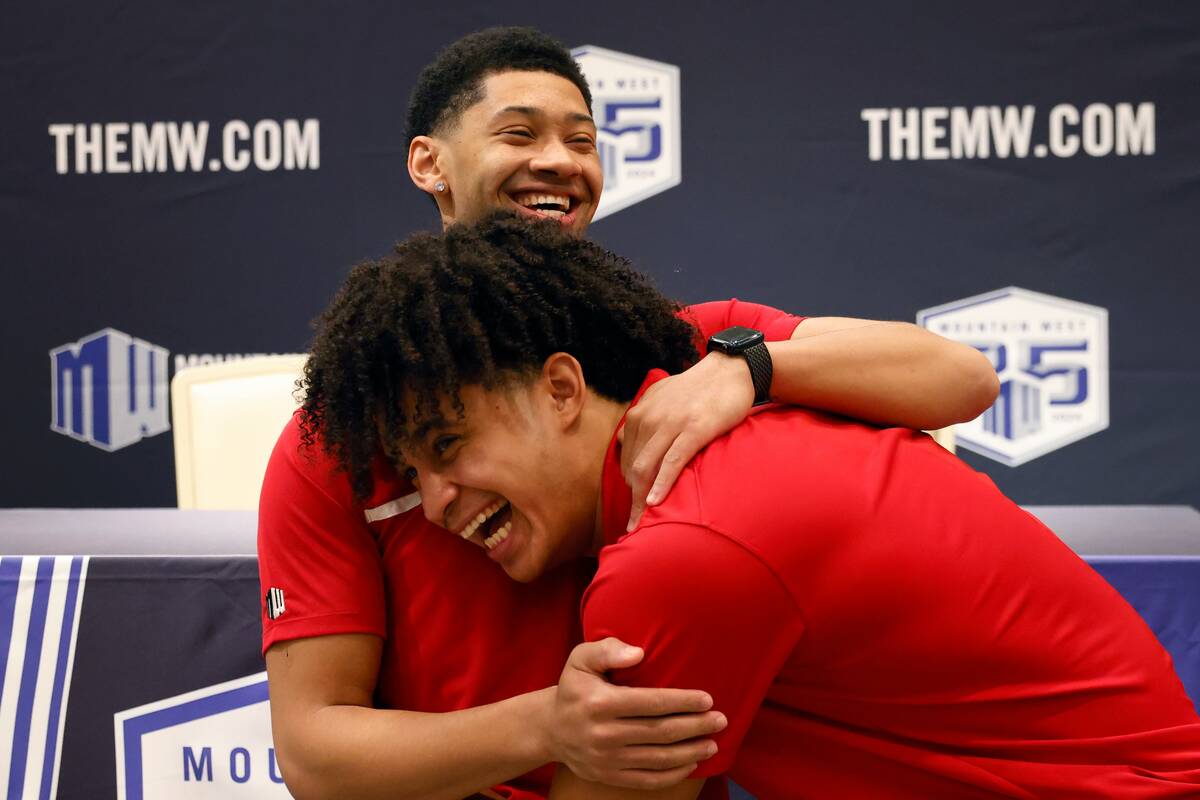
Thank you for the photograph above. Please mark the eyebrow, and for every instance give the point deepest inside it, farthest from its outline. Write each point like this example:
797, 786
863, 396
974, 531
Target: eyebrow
531, 111
419, 434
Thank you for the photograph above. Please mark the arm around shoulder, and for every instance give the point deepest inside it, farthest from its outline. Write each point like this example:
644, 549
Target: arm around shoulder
891, 373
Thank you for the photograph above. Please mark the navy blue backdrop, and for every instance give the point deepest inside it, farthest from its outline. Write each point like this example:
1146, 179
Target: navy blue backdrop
859, 159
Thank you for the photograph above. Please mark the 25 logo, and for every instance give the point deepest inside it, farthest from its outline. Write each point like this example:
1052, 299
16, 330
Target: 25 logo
1051, 355
648, 141
1044, 361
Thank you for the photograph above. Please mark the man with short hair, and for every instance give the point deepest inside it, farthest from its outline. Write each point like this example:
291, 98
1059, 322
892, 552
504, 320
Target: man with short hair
402, 663
876, 619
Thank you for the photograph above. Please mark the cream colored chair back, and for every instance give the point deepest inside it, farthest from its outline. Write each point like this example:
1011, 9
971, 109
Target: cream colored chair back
226, 418
944, 437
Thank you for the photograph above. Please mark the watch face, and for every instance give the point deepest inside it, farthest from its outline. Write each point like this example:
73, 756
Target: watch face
736, 339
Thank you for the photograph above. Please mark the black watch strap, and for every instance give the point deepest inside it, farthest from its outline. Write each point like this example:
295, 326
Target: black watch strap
750, 345
759, 360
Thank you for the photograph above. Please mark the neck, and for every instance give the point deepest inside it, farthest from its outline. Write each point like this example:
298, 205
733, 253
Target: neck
603, 420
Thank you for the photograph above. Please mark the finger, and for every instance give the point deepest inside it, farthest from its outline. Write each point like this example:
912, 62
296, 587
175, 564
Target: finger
640, 430
599, 657
664, 730
628, 437
643, 468
635, 513
649, 779
664, 757
630, 701
682, 451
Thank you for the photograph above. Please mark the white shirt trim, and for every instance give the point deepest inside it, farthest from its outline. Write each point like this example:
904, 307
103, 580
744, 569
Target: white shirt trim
393, 508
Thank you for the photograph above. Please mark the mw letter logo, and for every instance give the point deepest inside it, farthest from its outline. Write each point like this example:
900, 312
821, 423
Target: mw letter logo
108, 389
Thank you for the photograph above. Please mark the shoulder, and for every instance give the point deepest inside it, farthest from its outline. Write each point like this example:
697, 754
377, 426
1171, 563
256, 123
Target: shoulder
777, 478
777, 449
712, 317
682, 568
307, 498
302, 472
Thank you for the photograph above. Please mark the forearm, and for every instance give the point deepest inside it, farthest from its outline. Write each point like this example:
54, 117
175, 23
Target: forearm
891, 373
355, 752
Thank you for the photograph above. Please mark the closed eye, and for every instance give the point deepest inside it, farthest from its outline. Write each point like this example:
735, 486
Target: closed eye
443, 443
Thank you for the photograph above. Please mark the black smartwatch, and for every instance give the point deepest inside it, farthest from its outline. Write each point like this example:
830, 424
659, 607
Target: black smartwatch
750, 345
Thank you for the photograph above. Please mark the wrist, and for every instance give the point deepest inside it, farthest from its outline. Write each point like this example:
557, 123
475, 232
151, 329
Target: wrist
541, 723
750, 345
732, 371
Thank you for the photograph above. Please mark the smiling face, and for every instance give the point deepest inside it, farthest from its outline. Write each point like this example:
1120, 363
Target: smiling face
528, 145
506, 475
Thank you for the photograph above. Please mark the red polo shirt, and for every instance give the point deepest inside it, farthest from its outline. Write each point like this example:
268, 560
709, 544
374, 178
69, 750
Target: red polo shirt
458, 633
877, 620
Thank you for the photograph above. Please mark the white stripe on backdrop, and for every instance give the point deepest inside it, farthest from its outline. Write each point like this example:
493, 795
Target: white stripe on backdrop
40, 600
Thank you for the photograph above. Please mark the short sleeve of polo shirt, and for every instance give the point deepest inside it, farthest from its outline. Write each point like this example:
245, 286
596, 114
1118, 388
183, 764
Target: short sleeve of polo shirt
709, 614
714, 317
314, 549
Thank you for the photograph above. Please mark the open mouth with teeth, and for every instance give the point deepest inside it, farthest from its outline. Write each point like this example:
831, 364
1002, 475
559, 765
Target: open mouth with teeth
549, 206
493, 524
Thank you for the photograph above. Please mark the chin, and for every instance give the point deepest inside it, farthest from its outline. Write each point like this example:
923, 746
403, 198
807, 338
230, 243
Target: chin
521, 575
527, 567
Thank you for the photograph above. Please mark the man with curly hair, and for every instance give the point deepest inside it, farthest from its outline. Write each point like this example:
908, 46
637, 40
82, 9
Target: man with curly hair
398, 666
876, 619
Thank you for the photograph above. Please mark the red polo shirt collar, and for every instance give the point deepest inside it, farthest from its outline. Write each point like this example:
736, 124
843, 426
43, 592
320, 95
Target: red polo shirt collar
616, 498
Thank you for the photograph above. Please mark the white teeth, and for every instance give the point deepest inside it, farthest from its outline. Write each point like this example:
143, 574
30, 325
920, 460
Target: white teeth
499, 536
483, 516
531, 199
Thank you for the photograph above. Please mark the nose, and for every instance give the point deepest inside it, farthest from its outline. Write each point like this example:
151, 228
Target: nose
437, 495
556, 159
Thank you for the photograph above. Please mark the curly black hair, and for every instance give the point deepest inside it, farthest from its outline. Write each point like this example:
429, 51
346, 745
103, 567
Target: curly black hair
453, 82
478, 304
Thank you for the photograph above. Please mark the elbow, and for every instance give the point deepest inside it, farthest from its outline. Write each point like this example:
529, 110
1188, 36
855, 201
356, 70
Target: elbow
302, 781
316, 776
309, 775
980, 385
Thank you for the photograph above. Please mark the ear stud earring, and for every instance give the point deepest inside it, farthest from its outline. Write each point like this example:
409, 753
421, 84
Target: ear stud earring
440, 186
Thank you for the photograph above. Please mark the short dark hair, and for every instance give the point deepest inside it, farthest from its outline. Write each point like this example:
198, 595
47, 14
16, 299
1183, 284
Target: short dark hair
478, 304
453, 82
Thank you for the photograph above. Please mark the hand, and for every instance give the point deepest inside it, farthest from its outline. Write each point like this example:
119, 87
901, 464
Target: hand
635, 738
675, 419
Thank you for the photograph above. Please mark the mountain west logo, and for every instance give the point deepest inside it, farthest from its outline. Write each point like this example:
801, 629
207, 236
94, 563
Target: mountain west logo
1051, 356
274, 601
635, 102
108, 389
213, 743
